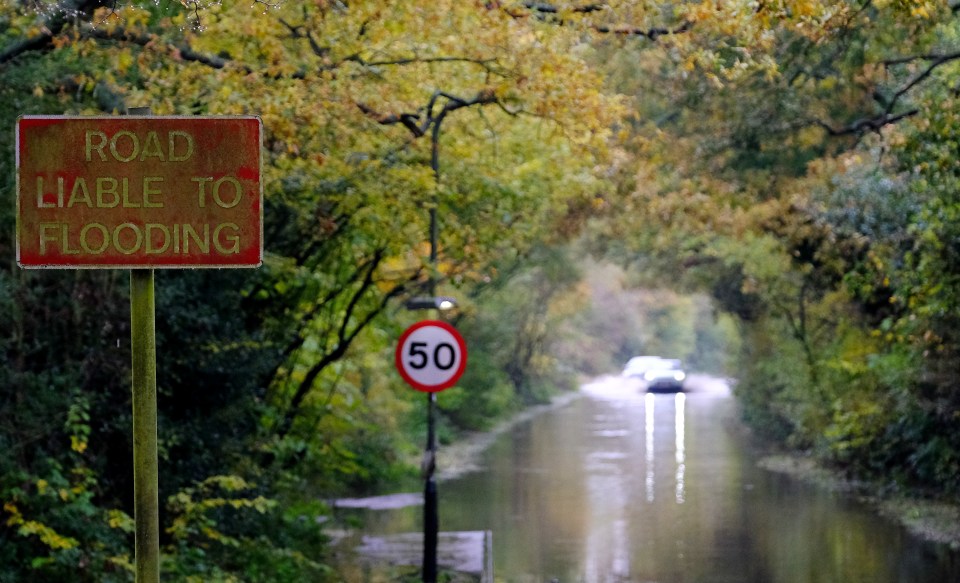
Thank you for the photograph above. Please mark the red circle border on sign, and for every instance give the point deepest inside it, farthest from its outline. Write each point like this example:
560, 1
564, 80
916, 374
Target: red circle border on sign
398, 356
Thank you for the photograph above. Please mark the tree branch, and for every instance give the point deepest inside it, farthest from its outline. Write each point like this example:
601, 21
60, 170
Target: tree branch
301, 337
428, 118
60, 16
623, 30
409, 120
867, 124
887, 117
345, 337
183, 51
936, 61
36, 43
651, 33
913, 58
298, 31
551, 9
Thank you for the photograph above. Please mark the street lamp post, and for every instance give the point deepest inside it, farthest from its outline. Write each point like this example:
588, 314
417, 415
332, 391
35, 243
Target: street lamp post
431, 517
431, 520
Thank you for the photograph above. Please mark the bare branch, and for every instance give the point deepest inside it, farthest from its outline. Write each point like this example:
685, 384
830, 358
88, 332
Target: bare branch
429, 117
623, 30
913, 58
887, 117
551, 9
865, 125
409, 120
936, 62
651, 33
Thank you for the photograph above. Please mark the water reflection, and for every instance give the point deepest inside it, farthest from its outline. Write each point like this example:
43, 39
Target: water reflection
649, 405
679, 429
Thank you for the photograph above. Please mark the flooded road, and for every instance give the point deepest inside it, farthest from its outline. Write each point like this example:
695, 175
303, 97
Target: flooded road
625, 486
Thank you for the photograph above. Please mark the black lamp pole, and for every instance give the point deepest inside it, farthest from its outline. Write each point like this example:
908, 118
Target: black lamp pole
431, 518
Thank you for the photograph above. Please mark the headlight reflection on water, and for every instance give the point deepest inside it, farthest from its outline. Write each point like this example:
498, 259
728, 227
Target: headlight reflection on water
679, 424
680, 429
651, 454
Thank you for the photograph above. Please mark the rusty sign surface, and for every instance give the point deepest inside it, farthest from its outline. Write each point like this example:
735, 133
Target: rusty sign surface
139, 192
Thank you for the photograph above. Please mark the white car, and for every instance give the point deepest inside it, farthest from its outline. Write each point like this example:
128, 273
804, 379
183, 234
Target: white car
665, 376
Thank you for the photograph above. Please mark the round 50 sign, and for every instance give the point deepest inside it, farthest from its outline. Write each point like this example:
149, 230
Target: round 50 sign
431, 356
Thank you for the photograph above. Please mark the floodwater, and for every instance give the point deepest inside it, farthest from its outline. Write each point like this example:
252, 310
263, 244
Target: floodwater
624, 486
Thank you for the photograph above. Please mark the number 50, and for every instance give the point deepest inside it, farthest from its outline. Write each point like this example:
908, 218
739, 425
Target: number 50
444, 355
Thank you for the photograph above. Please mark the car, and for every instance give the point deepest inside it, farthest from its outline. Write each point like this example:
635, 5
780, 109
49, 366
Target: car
665, 376
638, 365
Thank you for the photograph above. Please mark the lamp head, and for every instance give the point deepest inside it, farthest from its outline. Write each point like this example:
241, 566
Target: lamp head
442, 303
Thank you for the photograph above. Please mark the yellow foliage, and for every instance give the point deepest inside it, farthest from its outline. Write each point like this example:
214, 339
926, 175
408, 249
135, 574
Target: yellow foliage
121, 520
47, 535
78, 444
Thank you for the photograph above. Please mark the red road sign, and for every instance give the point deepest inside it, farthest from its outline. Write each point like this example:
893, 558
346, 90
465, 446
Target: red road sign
139, 192
431, 356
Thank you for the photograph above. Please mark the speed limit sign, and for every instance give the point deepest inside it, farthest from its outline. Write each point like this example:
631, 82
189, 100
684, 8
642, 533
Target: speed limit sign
431, 356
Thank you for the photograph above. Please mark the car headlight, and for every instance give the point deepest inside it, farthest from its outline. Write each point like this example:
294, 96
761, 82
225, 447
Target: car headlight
679, 376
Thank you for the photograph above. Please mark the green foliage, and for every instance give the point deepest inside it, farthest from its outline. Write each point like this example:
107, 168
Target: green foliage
484, 394
514, 328
798, 163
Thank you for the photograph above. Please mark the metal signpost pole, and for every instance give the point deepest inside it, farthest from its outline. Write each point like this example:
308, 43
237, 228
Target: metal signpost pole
431, 518
146, 506
146, 467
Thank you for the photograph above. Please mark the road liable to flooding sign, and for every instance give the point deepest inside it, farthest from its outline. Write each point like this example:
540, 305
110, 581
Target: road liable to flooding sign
431, 356
139, 192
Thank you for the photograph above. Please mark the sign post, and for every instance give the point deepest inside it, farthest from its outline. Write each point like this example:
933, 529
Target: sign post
140, 192
431, 356
146, 470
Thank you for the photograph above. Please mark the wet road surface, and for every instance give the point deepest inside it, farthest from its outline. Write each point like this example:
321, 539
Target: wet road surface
625, 486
